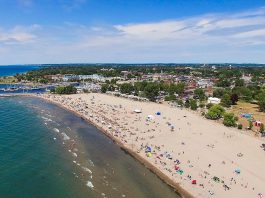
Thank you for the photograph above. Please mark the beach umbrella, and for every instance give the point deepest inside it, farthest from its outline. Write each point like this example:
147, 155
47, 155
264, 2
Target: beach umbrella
137, 111
149, 154
150, 117
238, 171
194, 182
148, 149
180, 172
158, 113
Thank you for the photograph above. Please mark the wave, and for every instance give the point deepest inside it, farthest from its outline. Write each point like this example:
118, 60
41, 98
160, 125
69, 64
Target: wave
56, 130
65, 137
87, 169
47, 119
90, 184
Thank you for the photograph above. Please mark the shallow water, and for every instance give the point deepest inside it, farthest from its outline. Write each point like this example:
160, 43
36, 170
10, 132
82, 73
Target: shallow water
47, 151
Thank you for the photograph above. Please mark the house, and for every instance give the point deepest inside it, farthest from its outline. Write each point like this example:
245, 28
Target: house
204, 83
57, 77
182, 79
70, 77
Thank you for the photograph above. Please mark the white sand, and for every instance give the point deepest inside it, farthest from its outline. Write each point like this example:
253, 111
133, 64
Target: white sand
195, 142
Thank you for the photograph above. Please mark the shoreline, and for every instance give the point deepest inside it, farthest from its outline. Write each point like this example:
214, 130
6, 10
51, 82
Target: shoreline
175, 186
225, 150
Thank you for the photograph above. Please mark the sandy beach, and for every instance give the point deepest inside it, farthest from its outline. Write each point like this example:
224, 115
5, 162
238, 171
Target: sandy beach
199, 157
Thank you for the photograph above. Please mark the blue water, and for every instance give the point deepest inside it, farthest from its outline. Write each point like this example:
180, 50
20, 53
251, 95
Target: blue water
14, 69
44, 150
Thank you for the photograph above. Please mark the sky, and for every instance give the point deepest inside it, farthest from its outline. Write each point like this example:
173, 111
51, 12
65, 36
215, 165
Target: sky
132, 31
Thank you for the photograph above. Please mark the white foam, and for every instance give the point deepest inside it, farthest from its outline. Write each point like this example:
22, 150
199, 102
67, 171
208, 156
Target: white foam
91, 163
87, 169
56, 130
46, 119
89, 184
54, 138
74, 154
65, 137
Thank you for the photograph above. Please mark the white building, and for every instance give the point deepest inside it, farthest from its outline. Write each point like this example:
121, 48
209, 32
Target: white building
214, 100
204, 83
72, 77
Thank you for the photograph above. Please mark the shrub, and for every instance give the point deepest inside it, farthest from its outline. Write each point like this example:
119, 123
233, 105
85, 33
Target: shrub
201, 105
239, 126
215, 112
180, 102
193, 105
229, 119
209, 105
170, 97
65, 90
261, 128
187, 104
226, 101
104, 88
250, 125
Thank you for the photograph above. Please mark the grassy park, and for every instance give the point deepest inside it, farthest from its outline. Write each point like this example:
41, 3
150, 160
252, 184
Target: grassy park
247, 108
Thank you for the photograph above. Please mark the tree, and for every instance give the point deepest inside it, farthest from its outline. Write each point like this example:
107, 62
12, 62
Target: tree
215, 112
170, 97
223, 83
126, 88
261, 128
104, 88
151, 91
44, 81
65, 90
200, 93
239, 83
180, 87
250, 125
234, 98
226, 101
218, 93
193, 105
261, 101
229, 120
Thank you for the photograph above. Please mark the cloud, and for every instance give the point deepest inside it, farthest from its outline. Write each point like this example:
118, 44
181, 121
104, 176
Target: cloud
215, 37
18, 35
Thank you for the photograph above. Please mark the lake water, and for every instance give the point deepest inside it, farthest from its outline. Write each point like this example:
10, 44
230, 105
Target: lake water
48, 152
14, 69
